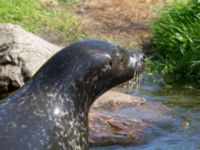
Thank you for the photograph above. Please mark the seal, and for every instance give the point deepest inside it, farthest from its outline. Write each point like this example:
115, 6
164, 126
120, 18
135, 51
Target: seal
50, 112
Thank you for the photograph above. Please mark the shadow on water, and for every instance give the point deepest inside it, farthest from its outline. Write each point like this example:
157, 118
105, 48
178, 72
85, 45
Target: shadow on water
185, 102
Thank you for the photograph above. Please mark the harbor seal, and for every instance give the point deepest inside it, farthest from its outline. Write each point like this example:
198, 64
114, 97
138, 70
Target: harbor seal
50, 112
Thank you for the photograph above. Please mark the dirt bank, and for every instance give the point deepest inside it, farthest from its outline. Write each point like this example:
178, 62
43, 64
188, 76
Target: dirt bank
125, 22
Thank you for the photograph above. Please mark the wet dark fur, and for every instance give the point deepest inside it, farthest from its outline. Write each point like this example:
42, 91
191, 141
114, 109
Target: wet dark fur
50, 112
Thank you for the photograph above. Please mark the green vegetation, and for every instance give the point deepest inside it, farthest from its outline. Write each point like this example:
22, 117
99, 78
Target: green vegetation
176, 37
34, 15
176, 31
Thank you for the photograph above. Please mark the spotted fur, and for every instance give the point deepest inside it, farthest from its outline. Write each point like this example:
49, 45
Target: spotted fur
50, 112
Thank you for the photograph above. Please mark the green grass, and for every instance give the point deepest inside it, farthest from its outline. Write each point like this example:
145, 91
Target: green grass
176, 39
33, 16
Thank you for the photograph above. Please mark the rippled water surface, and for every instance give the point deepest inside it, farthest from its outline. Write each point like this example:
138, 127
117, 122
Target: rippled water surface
185, 102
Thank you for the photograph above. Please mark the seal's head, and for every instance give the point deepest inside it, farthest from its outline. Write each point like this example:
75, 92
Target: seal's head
89, 68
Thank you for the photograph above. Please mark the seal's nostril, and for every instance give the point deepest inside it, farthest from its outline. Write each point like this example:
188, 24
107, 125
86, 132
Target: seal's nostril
142, 57
110, 63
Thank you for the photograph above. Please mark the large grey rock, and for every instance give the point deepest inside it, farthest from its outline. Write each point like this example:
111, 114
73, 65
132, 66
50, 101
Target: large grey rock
21, 55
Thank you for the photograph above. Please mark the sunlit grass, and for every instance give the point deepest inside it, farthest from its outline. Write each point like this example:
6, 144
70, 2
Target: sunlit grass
176, 37
34, 15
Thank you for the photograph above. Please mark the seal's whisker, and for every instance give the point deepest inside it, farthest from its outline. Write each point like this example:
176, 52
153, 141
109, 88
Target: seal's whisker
136, 80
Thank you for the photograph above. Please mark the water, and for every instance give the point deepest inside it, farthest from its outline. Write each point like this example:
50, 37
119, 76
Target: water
185, 102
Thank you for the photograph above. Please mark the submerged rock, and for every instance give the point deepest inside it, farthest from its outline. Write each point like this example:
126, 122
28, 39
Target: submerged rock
120, 119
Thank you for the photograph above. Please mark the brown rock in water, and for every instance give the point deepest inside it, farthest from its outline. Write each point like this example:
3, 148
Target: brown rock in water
114, 130
120, 119
116, 100
110, 129
21, 55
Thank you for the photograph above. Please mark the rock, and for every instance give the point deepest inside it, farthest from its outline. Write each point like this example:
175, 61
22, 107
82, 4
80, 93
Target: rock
120, 119
116, 100
21, 55
110, 129
115, 130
